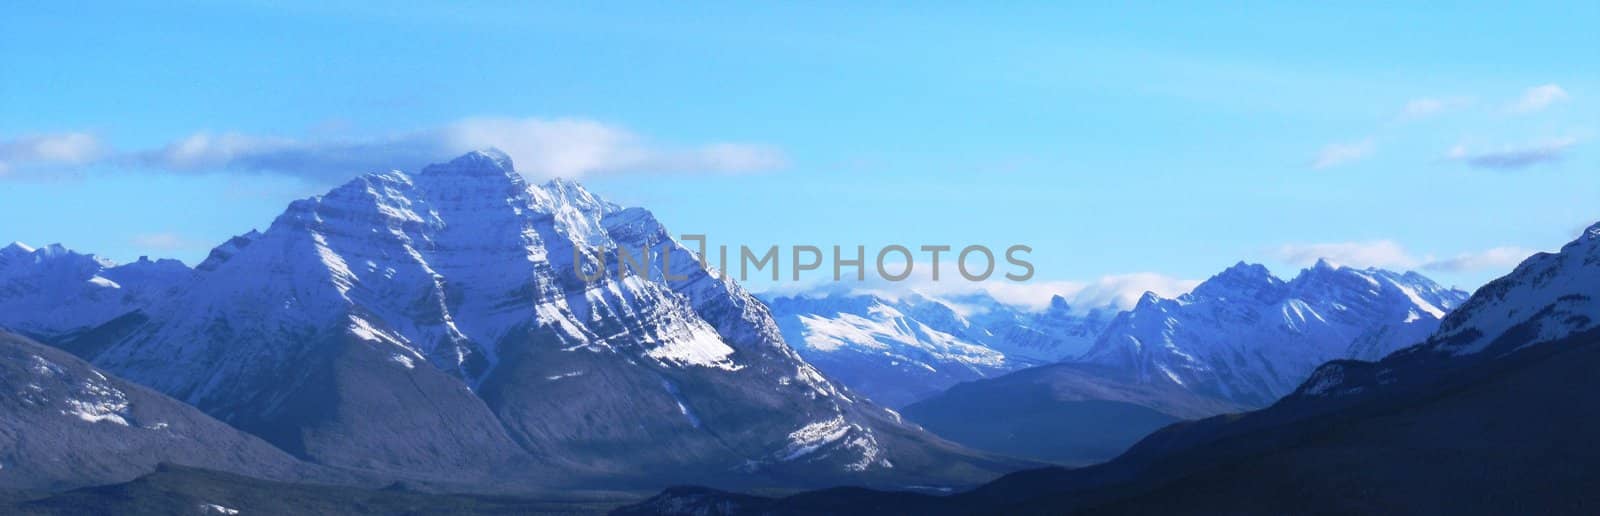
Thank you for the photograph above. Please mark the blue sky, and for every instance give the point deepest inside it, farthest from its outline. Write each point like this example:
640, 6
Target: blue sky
1132, 147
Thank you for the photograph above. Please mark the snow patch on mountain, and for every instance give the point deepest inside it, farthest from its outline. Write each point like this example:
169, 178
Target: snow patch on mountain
836, 433
88, 398
683, 408
814, 436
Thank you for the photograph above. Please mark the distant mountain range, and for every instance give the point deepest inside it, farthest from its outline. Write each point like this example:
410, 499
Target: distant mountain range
52, 292
1493, 413
1240, 340
432, 326
900, 350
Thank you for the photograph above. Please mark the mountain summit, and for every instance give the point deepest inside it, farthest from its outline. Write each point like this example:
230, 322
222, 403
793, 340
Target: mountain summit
486, 162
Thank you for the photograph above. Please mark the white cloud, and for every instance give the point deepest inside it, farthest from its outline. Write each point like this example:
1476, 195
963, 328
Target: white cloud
1431, 106
1120, 291
1513, 157
1387, 254
1499, 258
1336, 154
159, 241
573, 147
1033, 295
1124, 290
48, 151
542, 148
1538, 98
1376, 253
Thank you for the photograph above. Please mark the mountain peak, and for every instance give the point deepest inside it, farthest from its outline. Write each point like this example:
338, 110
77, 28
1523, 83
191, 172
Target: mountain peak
15, 248
1059, 304
1325, 274
58, 251
564, 187
1590, 235
485, 162
1326, 269
1241, 280
1148, 299
1245, 269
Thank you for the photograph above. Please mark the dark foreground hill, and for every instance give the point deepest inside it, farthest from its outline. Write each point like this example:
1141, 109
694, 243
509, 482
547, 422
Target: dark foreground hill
1512, 436
1068, 413
65, 424
175, 490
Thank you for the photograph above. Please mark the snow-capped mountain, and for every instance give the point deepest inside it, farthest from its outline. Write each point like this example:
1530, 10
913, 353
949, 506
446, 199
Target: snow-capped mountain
1059, 332
873, 346
897, 351
1247, 336
51, 292
66, 424
1493, 413
435, 324
1549, 297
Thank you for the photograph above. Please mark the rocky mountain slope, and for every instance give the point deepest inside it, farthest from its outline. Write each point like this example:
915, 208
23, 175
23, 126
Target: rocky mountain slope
65, 424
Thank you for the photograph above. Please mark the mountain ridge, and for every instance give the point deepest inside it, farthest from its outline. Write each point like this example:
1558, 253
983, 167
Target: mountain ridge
1245, 335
